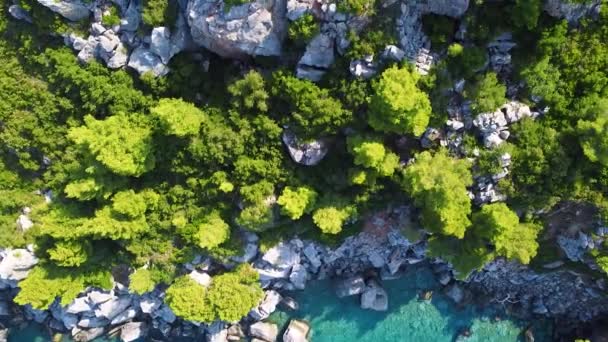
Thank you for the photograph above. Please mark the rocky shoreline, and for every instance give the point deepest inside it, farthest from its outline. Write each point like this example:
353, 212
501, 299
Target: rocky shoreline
358, 266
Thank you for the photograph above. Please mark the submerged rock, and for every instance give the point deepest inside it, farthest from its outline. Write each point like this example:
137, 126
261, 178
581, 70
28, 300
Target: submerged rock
264, 331
297, 331
374, 297
349, 286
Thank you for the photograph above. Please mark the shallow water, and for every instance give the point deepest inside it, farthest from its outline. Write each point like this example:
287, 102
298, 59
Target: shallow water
408, 319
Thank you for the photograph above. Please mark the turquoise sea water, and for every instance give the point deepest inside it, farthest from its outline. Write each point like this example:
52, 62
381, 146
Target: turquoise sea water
407, 320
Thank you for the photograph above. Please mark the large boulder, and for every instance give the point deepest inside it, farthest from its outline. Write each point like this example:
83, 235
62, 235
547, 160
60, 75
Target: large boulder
133, 331
319, 56
305, 153
282, 256
267, 306
252, 29
297, 331
349, 286
73, 10
143, 60
217, 332
264, 331
15, 266
374, 297
113, 307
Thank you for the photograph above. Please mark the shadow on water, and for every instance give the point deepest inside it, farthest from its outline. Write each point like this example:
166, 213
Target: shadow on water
408, 318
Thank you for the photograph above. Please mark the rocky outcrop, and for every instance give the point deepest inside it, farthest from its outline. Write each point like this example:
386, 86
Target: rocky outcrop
319, 56
252, 29
572, 11
575, 247
264, 331
374, 297
493, 126
305, 153
297, 331
415, 44
73, 10
143, 60
267, 306
500, 53
562, 295
15, 266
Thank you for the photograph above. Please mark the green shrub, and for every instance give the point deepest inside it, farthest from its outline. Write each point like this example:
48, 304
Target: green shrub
141, 281
111, 19
303, 29
159, 12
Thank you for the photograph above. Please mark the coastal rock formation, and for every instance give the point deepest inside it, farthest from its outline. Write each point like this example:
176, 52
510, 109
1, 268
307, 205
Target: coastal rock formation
297, 331
252, 29
374, 297
15, 266
264, 331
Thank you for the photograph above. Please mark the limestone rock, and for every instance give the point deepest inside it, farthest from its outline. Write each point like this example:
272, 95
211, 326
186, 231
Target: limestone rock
133, 331
253, 29
24, 223
374, 297
297, 331
350, 286
319, 56
298, 276
16, 265
93, 322
124, 316
309, 154
217, 332
73, 10
267, 306
149, 303
297, 8
143, 60
113, 307
200, 277
161, 43
264, 331
282, 256
79, 305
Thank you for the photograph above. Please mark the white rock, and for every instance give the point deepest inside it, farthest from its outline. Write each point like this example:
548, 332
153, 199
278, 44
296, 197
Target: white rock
200, 277
79, 305
113, 307
16, 264
133, 331
298, 276
93, 322
143, 60
24, 223
267, 306
282, 256
309, 154
264, 331
73, 10
97, 297
149, 304
124, 316
297, 331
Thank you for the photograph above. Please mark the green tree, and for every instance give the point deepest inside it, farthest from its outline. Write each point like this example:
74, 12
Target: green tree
212, 232
141, 281
250, 92
372, 154
397, 105
303, 29
313, 110
331, 219
189, 300
593, 136
178, 117
487, 94
121, 143
296, 202
70, 253
234, 294
158, 12
500, 226
438, 184
525, 13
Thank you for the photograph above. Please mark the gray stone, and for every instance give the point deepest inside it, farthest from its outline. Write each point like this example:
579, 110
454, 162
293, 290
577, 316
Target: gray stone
143, 60
282, 256
161, 43
570, 10
93, 322
249, 253
311, 253
394, 53
350, 286
16, 265
374, 297
79, 305
216, 332
248, 29
267, 306
319, 56
113, 307
296, 8
97, 297
80, 335
264, 331
451, 8
201, 278
24, 223
165, 313
131, 18
297, 331
19, 13
97, 29
298, 276
124, 316
455, 293
73, 10
574, 247
119, 57
149, 303
133, 331
309, 153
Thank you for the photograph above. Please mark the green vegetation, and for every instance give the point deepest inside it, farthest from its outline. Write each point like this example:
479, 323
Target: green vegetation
159, 12
297, 202
398, 105
303, 29
488, 94
112, 18
141, 281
